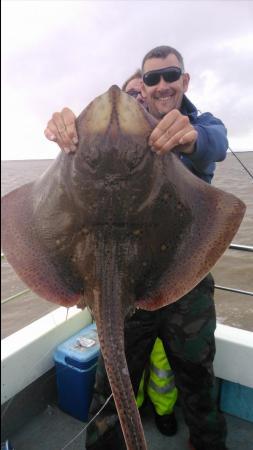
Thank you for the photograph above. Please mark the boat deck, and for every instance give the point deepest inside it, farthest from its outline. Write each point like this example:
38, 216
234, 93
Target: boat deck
55, 430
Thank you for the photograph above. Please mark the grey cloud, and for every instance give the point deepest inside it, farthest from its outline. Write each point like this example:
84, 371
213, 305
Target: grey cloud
100, 43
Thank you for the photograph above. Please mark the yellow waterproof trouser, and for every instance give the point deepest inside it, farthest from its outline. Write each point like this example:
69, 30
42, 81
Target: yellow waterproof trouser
160, 382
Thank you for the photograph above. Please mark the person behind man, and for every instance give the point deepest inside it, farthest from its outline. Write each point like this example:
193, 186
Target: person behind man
186, 327
157, 382
133, 86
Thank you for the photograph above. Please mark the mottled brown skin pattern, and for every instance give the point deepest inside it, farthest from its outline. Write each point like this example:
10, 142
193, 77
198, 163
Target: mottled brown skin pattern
114, 226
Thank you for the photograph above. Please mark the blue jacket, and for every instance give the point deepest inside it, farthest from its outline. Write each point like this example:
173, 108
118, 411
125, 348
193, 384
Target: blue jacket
211, 145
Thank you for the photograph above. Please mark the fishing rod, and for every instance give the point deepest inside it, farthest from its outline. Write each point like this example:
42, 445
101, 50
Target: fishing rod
237, 157
243, 165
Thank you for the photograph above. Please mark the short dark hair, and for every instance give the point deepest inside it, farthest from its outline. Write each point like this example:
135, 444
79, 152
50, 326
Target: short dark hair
162, 52
136, 74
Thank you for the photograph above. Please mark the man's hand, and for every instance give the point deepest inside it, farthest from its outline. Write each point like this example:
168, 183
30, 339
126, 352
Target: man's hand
62, 130
174, 130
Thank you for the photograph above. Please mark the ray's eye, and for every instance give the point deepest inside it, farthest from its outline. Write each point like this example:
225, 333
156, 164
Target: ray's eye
133, 161
92, 156
134, 157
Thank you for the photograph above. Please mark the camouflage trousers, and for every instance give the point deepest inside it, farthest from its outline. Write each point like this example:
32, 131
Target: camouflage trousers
186, 329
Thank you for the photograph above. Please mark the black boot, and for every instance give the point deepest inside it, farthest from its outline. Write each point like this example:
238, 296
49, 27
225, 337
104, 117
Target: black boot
111, 440
166, 424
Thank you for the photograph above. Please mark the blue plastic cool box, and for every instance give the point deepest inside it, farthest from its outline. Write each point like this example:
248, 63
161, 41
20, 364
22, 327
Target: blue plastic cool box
76, 361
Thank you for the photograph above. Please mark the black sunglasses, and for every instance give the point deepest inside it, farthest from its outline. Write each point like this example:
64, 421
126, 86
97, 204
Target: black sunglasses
169, 75
133, 93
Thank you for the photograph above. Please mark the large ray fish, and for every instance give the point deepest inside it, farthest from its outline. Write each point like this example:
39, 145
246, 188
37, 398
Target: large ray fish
115, 226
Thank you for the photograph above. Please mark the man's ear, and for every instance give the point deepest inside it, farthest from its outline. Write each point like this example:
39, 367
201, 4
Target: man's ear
186, 81
143, 90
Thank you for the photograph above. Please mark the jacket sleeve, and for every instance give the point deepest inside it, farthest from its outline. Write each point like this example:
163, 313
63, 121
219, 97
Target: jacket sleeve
212, 143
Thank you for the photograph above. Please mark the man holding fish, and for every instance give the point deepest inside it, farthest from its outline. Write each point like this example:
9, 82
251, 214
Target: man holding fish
186, 327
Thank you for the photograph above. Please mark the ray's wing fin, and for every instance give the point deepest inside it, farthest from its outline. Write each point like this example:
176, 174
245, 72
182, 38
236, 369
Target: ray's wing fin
216, 217
23, 250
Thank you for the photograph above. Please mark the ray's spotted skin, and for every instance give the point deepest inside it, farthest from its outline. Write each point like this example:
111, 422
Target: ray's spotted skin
113, 226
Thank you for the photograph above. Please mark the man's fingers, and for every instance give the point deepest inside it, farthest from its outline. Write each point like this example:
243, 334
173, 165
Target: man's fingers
163, 126
69, 119
174, 130
184, 141
171, 136
160, 133
189, 137
61, 128
52, 133
65, 141
49, 135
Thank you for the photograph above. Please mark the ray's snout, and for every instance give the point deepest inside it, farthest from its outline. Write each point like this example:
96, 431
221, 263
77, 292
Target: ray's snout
114, 130
116, 111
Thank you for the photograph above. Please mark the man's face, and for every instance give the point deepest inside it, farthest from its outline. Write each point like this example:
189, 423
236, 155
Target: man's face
133, 88
164, 96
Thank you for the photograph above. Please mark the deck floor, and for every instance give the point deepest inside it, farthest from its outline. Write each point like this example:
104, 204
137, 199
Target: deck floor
55, 430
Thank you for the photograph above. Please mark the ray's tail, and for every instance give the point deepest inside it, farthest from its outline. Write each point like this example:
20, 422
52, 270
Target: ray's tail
109, 315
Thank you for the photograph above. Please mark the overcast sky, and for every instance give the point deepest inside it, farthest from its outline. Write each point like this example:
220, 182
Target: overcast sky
65, 53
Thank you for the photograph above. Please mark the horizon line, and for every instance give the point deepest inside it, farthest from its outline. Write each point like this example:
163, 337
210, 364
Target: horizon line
51, 159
